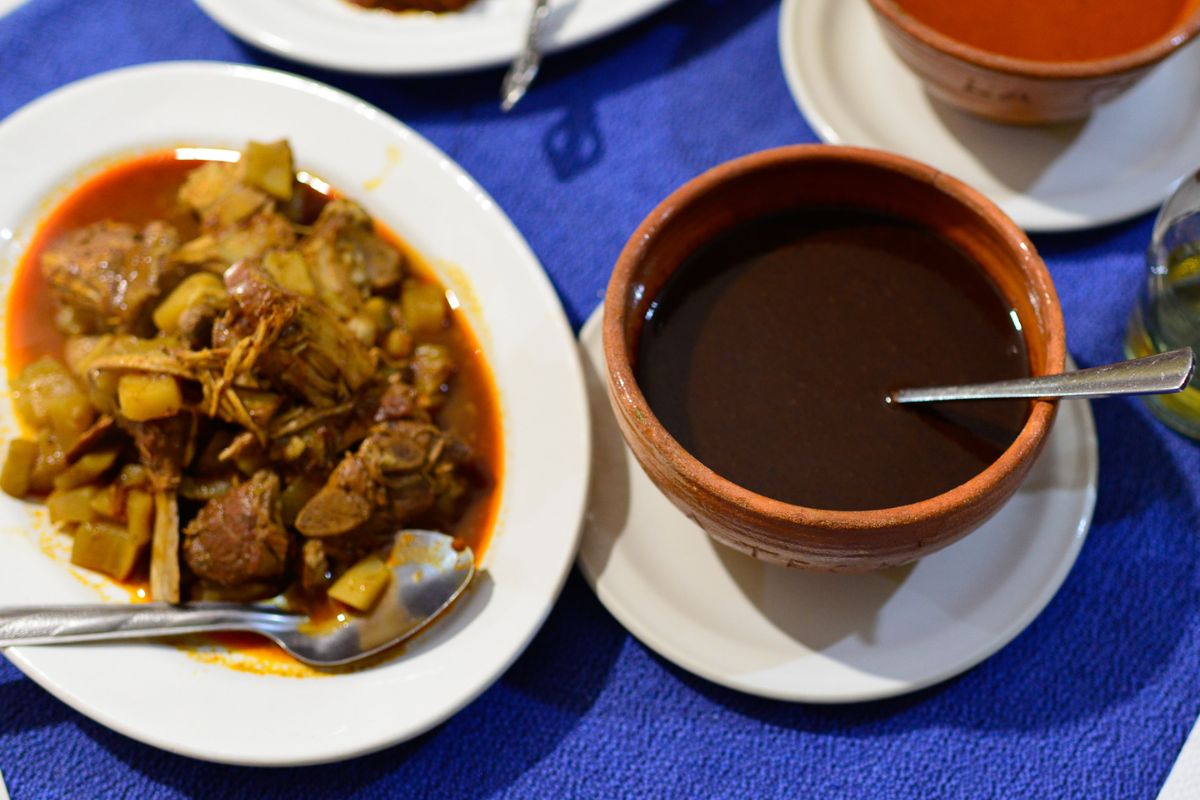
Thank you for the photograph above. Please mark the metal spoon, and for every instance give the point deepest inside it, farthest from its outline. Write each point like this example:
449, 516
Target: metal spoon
428, 573
1157, 374
525, 68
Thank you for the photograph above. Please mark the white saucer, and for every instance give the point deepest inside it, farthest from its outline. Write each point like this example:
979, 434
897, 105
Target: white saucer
818, 638
1122, 161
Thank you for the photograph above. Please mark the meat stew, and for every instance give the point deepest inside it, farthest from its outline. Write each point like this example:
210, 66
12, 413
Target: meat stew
241, 386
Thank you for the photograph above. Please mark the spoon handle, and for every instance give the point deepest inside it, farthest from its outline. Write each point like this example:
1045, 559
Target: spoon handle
1157, 374
91, 623
525, 68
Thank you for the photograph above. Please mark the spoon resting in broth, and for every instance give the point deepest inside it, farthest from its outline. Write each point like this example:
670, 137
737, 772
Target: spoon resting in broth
1158, 374
428, 571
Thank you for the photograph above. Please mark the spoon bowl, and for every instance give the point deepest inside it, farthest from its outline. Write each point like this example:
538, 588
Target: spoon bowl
429, 570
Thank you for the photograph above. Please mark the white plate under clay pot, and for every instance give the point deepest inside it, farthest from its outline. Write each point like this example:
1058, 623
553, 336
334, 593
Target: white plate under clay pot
1119, 162
819, 638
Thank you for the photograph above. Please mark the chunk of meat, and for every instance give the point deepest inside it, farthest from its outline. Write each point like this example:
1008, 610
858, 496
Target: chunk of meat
310, 354
378, 401
108, 274
395, 475
253, 237
398, 401
165, 446
219, 195
196, 322
346, 257
315, 574
239, 538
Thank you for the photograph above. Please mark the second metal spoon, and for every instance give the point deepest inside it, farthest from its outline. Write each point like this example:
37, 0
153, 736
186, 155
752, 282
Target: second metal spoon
525, 68
1157, 374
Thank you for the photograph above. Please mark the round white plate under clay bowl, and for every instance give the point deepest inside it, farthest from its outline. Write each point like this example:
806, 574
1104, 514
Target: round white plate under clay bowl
1119, 162
819, 638
174, 697
339, 35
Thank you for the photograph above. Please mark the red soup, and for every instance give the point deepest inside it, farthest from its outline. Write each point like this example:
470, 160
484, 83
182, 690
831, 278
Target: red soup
1053, 30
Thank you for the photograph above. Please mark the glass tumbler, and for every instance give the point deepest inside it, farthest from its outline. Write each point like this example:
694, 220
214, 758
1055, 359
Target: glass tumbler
1167, 315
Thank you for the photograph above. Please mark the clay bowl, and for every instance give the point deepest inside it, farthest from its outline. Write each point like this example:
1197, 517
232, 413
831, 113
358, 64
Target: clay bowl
814, 176
1018, 90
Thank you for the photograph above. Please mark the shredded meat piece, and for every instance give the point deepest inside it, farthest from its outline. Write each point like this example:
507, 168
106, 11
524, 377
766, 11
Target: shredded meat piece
239, 538
311, 353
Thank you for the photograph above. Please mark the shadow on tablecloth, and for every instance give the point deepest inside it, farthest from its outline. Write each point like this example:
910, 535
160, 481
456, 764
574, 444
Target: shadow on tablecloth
1107, 636
537, 703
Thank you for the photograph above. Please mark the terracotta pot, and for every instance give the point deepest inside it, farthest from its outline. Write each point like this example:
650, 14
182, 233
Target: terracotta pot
1019, 90
822, 176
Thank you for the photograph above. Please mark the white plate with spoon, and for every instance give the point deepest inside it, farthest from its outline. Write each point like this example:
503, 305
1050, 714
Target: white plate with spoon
177, 699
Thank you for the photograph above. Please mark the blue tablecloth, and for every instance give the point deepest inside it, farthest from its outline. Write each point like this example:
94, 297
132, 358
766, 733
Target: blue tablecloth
1093, 700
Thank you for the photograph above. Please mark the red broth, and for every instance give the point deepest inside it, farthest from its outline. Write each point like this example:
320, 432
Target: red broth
1053, 30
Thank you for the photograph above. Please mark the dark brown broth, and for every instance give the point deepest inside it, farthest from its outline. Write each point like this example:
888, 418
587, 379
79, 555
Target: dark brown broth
769, 354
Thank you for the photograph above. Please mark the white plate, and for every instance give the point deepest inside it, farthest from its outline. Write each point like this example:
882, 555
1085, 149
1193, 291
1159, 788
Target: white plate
1120, 162
336, 34
792, 635
157, 693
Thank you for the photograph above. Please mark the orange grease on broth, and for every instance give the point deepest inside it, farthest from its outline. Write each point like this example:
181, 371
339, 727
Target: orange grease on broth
1053, 30
144, 188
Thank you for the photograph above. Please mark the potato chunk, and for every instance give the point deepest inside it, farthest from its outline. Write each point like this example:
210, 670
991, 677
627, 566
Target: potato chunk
146, 397
106, 548
87, 469
139, 510
424, 306
200, 288
360, 586
18, 467
269, 167
71, 505
290, 270
46, 396
51, 460
108, 502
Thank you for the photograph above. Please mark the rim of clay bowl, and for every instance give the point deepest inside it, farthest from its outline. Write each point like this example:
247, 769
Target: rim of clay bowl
1044, 299
1143, 56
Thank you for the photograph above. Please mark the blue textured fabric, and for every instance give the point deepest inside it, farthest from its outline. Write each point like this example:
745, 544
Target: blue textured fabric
1093, 700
